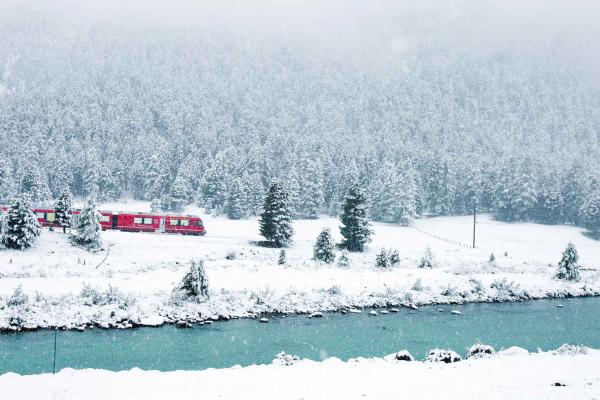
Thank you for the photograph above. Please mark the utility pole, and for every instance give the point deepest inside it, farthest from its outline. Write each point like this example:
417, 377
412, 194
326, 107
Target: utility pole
474, 221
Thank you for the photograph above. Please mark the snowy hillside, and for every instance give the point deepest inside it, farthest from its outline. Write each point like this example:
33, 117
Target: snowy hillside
130, 281
512, 374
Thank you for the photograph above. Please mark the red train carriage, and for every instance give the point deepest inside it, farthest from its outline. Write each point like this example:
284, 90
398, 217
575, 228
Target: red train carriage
131, 222
148, 222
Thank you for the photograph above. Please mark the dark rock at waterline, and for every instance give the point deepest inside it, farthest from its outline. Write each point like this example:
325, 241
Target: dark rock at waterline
479, 350
441, 355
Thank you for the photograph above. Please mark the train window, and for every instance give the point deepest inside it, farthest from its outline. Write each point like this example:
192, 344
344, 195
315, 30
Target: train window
104, 218
185, 222
174, 222
147, 221
51, 217
199, 223
40, 215
138, 220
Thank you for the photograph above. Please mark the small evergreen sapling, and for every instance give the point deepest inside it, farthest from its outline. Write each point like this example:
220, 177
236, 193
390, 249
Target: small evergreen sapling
276, 218
427, 260
324, 247
195, 281
387, 258
63, 209
568, 267
20, 225
344, 259
88, 231
356, 229
282, 257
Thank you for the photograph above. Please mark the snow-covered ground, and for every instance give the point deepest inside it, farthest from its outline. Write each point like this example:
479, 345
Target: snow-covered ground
511, 374
131, 280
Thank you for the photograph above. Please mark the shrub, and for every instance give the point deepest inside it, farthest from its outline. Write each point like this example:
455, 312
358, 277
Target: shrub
282, 257
285, 359
440, 355
18, 298
427, 260
344, 259
479, 350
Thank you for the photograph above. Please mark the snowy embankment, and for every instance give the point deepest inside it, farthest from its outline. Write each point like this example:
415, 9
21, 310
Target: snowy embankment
510, 374
131, 281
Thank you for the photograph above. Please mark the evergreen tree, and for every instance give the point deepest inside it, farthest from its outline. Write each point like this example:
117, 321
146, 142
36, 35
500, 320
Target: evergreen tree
276, 218
155, 177
253, 190
21, 227
282, 257
382, 260
324, 248
156, 206
35, 184
427, 260
91, 176
311, 191
344, 259
195, 281
178, 194
568, 267
355, 229
236, 202
88, 229
590, 212
63, 209
7, 184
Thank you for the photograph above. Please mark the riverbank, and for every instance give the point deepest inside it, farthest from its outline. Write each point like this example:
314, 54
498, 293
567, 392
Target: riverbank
131, 281
511, 374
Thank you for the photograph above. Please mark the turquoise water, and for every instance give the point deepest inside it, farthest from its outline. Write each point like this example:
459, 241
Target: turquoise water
529, 324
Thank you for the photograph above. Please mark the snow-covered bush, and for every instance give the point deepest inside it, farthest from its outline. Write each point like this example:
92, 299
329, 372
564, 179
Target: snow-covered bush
230, 255
571, 350
88, 230
427, 261
507, 290
387, 258
324, 248
18, 298
568, 267
478, 287
195, 281
440, 355
20, 227
285, 359
344, 259
403, 355
479, 350
418, 285
492, 261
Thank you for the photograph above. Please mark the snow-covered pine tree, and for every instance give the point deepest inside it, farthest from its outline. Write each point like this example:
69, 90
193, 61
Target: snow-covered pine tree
88, 230
7, 184
276, 218
427, 260
311, 191
568, 267
235, 208
195, 281
324, 248
155, 177
156, 205
356, 228
63, 209
282, 257
21, 227
404, 208
35, 184
292, 185
178, 195
343, 259
91, 175
590, 212
382, 260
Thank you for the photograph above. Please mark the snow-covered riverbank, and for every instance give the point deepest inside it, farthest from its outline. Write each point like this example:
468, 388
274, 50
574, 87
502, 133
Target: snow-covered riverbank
511, 374
130, 282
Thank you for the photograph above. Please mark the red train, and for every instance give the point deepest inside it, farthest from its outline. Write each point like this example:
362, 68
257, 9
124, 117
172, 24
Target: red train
132, 221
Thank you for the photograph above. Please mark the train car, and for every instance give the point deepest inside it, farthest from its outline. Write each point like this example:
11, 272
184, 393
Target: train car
131, 221
148, 222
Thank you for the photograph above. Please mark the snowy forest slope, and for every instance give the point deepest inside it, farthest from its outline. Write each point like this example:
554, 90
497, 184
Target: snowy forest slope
431, 105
